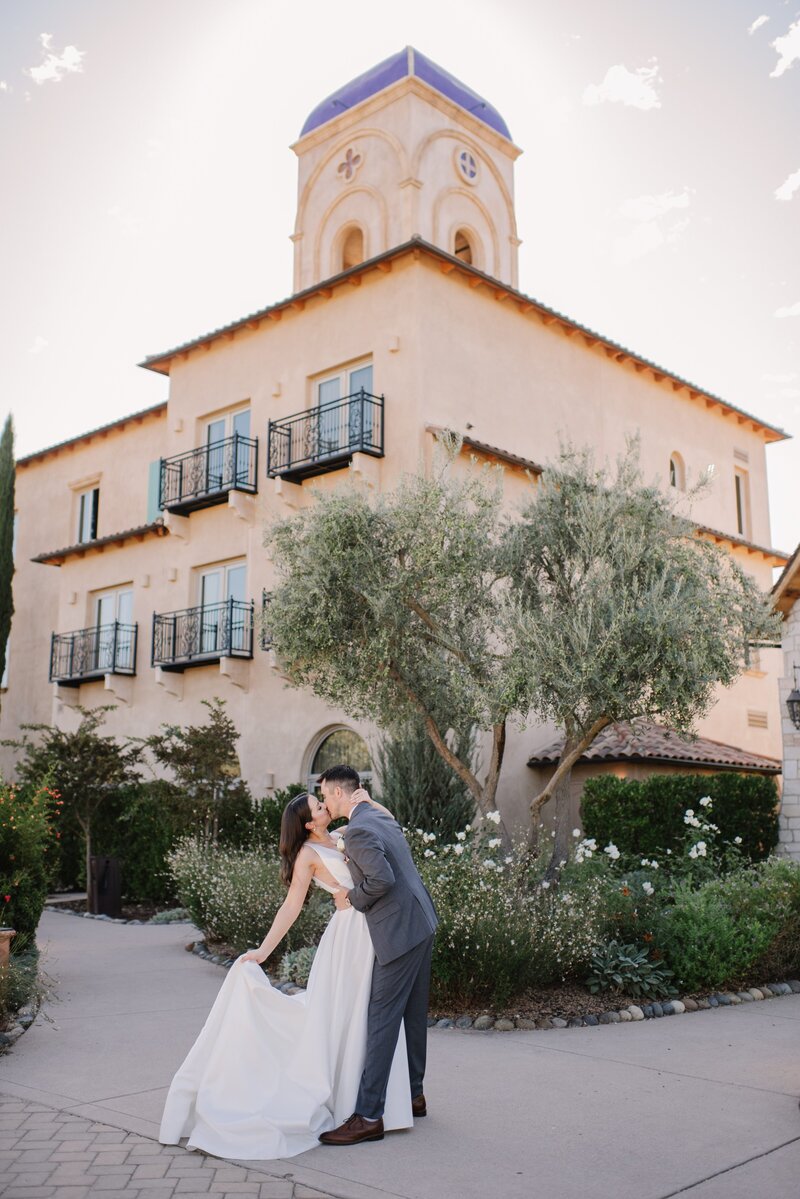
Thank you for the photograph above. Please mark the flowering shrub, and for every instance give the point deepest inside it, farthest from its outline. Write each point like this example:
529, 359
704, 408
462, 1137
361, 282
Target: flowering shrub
233, 895
502, 926
28, 856
19, 984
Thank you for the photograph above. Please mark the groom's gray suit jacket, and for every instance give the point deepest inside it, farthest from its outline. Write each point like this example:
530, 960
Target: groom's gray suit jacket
388, 890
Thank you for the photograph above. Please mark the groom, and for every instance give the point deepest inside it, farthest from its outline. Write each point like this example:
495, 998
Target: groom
401, 920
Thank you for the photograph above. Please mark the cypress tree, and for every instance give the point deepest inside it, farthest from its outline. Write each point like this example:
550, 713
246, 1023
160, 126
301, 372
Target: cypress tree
6, 536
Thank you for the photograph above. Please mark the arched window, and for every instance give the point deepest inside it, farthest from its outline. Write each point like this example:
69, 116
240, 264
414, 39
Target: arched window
677, 473
462, 247
352, 248
340, 746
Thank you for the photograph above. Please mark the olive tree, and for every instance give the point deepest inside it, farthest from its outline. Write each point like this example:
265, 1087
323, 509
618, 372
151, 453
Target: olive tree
621, 610
391, 607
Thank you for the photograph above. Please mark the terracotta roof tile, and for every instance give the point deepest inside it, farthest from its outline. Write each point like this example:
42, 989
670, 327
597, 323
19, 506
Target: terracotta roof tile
647, 742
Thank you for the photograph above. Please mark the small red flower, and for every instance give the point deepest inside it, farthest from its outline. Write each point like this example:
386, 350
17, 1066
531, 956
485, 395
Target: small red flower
7, 898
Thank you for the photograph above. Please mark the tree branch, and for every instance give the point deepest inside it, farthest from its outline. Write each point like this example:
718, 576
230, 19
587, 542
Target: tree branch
566, 762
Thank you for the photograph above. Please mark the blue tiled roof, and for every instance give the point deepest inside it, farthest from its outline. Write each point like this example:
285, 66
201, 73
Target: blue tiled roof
408, 62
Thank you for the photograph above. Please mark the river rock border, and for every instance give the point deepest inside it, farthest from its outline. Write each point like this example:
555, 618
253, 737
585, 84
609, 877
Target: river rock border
111, 919
633, 1012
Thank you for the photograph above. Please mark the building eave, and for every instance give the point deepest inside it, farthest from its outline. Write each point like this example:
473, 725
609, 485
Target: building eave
156, 528
773, 556
525, 304
101, 431
491, 451
786, 591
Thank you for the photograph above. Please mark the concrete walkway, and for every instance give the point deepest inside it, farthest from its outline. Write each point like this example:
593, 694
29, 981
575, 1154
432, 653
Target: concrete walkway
704, 1103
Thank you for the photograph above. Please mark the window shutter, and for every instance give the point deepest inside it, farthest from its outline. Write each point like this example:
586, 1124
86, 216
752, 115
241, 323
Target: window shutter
154, 491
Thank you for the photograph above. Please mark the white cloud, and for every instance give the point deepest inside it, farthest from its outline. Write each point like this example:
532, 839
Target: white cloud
788, 187
636, 89
759, 21
653, 226
37, 345
54, 67
788, 310
650, 208
788, 50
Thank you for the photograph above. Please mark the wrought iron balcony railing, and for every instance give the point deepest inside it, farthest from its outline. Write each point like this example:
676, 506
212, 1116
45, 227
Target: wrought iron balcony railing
326, 437
196, 636
91, 653
204, 476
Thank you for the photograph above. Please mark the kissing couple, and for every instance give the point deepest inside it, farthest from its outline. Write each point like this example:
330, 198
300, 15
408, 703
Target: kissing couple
271, 1075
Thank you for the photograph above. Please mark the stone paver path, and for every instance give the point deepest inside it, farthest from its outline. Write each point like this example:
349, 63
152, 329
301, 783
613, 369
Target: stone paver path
50, 1154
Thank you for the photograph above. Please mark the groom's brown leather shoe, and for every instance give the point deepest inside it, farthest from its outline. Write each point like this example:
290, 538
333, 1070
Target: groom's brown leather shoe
355, 1129
419, 1107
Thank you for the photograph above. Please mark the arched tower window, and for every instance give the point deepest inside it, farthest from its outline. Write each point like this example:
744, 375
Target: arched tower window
342, 745
462, 247
352, 248
677, 473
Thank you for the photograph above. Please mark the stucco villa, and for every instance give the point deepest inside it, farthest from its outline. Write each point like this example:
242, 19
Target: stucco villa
139, 556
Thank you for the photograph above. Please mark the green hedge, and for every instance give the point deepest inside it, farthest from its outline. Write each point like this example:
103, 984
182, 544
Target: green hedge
28, 854
646, 817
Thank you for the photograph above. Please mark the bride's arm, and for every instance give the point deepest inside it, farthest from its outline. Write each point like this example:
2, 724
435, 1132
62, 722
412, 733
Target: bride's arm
286, 914
373, 803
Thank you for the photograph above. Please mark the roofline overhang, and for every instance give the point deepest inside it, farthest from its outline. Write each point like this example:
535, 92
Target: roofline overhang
100, 431
448, 264
771, 765
786, 591
156, 528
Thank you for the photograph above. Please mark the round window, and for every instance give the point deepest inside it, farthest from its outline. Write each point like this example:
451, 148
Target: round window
467, 166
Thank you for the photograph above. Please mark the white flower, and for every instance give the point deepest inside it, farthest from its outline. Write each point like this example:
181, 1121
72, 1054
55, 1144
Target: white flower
691, 819
612, 851
645, 862
428, 837
590, 842
488, 863
706, 801
669, 851
340, 844
545, 885
495, 841
693, 852
458, 849
648, 888
420, 833
468, 828
508, 860
701, 848
494, 817
688, 812
737, 840
461, 836
428, 853
576, 832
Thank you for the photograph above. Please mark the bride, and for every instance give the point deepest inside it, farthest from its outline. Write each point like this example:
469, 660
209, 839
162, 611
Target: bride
269, 1072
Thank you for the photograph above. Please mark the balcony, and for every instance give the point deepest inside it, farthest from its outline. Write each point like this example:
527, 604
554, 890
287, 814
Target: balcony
87, 654
325, 438
204, 476
197, 636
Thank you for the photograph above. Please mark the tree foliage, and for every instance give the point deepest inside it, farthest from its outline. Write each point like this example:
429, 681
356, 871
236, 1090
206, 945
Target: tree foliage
84, 766
418, 787
622, 611
204, 763
6, 536
596, 602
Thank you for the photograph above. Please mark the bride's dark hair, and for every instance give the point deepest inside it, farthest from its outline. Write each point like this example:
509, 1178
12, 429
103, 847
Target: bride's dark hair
294, 833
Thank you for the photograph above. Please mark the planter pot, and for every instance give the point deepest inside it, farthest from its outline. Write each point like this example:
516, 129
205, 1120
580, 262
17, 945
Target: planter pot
5, 945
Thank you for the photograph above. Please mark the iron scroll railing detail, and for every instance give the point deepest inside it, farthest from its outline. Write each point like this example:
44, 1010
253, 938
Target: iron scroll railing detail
91, 653
205, 475
203, 634
324, 437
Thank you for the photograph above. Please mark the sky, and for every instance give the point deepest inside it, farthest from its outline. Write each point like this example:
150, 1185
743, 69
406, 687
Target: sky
147, 188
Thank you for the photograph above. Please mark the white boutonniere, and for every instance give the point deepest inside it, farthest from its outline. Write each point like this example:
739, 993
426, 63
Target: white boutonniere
340, 844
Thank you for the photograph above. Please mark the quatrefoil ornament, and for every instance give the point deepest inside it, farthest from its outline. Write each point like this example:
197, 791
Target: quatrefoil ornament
348, 168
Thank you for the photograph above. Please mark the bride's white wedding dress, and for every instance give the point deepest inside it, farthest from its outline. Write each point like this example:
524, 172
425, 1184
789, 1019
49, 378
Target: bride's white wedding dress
269, 1072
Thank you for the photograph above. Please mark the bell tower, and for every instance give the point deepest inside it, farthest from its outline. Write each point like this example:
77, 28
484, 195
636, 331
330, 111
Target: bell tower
405, 150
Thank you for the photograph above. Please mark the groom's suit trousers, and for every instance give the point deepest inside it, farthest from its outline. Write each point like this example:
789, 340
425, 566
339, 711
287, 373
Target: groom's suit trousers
399, 993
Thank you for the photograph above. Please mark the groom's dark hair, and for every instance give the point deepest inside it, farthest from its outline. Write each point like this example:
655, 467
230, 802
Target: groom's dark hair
341, 776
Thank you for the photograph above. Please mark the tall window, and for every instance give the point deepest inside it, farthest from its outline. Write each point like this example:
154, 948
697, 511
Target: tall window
463, 247
339, 423
677, 475
88, 504
741, 485
113, 618
352, 248
342, 746
217, 586
217, 431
